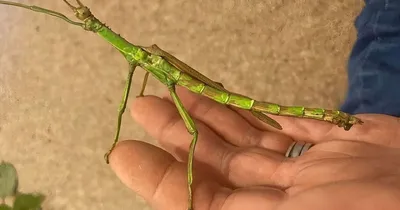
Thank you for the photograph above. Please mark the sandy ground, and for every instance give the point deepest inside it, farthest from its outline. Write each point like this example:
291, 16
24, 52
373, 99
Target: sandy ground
60, 87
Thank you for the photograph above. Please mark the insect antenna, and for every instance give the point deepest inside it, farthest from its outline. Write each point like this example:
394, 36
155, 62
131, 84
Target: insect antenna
42, 10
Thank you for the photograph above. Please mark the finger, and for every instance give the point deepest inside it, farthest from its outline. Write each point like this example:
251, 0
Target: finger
161, 181
376, 129
230, 125
257, 167
300, 129
155, 175
162, 121
242, 167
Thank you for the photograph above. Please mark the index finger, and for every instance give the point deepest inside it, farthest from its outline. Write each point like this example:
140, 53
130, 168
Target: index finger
154, 174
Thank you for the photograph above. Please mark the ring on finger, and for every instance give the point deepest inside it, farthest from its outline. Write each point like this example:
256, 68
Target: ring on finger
298, 148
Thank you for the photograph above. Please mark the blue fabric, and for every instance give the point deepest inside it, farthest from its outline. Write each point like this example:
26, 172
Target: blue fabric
374, 63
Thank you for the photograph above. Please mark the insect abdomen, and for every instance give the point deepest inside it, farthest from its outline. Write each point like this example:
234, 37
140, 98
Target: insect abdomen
222, 97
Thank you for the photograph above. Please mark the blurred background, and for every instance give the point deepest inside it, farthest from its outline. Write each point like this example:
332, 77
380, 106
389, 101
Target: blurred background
60, 86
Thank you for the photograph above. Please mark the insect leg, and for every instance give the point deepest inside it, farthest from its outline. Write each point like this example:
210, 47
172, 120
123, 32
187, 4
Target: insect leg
146, 77
121, 109
191, 128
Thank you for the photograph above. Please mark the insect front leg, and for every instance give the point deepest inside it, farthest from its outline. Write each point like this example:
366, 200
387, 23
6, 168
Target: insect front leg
121, 109
191, 128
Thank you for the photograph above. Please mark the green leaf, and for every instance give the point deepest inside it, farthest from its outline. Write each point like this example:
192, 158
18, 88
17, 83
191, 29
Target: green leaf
28, 201
5, 207
8, 180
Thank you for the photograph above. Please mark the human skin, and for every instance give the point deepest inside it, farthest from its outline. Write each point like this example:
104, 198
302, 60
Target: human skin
241, 162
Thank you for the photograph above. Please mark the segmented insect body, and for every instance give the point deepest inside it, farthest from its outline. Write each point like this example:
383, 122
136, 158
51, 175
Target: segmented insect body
171, 72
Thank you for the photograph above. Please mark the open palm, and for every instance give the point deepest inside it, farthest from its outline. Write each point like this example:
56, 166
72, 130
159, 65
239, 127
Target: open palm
241, 162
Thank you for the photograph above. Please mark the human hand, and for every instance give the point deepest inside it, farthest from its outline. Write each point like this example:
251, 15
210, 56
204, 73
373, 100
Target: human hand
241, 162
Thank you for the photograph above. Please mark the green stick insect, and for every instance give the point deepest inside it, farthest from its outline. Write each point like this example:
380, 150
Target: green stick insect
172, 72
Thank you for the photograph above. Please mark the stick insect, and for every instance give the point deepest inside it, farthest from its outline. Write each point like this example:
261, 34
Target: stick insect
172, 72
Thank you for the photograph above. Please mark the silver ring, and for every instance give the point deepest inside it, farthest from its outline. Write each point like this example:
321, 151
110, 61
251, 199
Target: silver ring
297, 149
